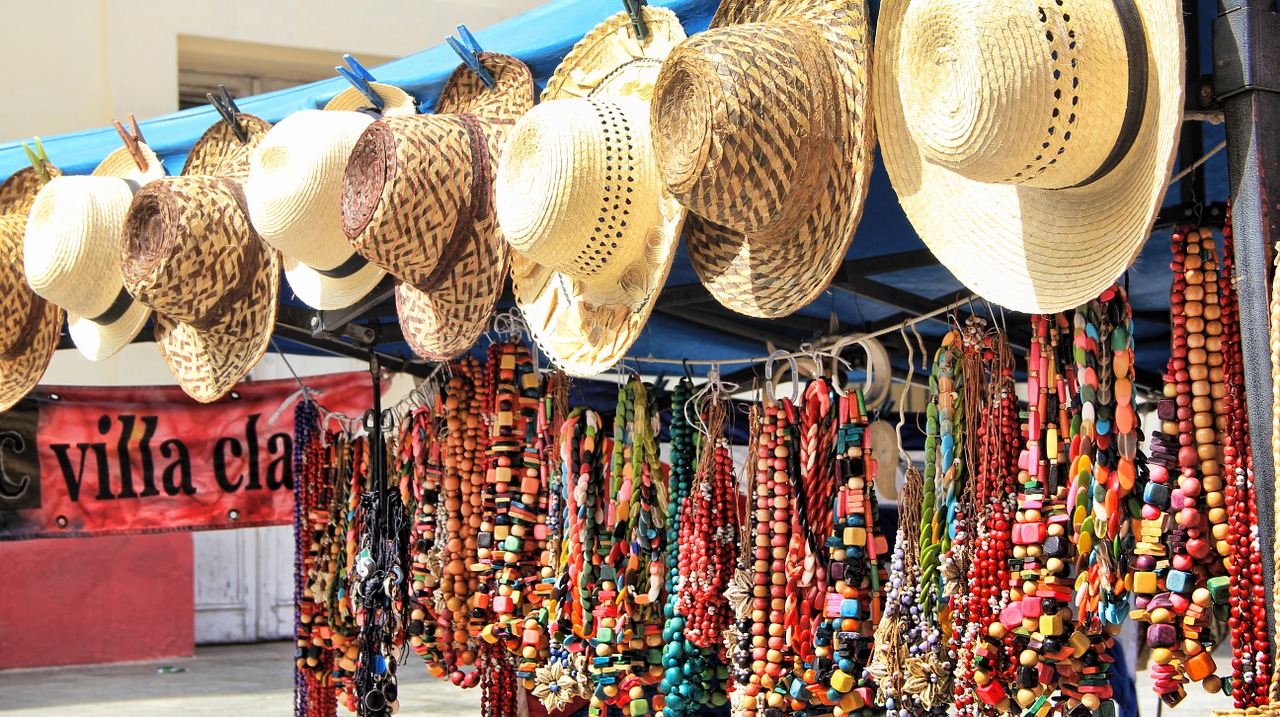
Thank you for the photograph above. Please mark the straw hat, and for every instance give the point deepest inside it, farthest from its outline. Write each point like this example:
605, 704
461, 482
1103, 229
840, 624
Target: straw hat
294, 188
189, 252
417, 201
762, 127
72, 251
30, 326
1030, 144
580, 201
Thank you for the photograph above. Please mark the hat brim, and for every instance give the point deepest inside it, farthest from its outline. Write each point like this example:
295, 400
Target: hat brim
582, 338
326, 292
775, 275
22, 372
1028, 249
441, 323
207, 363
98, 342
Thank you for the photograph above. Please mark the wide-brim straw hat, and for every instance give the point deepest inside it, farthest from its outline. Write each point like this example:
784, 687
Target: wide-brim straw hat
72, 251
294, 193
418, 202
1030, 145
580, 201
763, 130
189, 252
30, 326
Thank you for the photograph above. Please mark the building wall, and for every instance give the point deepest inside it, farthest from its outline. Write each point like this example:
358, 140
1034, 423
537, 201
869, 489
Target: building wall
79, 64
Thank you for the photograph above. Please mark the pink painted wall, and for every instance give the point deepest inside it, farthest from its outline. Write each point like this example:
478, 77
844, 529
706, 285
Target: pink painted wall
91, 600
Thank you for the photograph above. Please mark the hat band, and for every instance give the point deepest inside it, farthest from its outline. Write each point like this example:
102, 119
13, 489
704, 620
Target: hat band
477, 206
122, 304
1135, 43
354, 263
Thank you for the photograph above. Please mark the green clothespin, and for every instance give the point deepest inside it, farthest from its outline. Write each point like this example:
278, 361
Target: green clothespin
39, 160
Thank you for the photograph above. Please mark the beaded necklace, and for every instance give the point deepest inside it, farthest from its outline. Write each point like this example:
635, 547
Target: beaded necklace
891, 654
771, 655
994, 487
835, 675
1106, 467
1190, 588
420, 458
1250, 650
314, 655
1039, 616
464, 475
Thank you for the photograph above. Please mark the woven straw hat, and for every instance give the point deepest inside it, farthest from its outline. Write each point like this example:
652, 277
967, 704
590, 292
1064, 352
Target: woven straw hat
294, 195
72, 251
418, 202
30, 326
580, 201
762, 127
1030, 144
189, 252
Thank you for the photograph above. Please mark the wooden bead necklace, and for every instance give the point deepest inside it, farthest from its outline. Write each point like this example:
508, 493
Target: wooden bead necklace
835, 675
771, 655
1039, 615
1192, 587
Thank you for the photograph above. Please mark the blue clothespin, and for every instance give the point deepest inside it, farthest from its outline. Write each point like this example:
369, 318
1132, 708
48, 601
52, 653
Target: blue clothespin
637, 17
227, 108
39, 160
360, 78
469, 50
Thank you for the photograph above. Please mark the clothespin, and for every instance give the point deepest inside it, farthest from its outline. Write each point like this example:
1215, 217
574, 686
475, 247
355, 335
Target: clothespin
469, 51
227, 108
131, 141
637, 17
360, 78
39, 160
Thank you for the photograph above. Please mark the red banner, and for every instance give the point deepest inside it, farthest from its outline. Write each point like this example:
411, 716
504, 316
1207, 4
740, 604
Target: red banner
98, 461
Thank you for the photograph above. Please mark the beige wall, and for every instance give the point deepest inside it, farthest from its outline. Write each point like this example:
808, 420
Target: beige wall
122, 55
78, 64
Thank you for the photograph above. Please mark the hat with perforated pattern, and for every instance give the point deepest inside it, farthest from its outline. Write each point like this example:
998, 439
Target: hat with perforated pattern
762, 127
72, 251
30, 325
294, 195
417, 200
1030, 141
580, 201
189, 252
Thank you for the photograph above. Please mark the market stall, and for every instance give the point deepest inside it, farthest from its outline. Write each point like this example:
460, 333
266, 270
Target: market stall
686, 189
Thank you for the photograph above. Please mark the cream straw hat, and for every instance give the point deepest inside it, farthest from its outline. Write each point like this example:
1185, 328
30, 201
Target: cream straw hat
580, 201
294, 194
72, 251
1030, 143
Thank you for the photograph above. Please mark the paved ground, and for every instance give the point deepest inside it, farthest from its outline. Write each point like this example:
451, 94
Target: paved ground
247, 680
242, 680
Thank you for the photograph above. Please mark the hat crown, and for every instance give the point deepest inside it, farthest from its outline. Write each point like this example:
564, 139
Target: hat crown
746, 121
72, 249
576, 186
295, 182
1026, 92
188, 248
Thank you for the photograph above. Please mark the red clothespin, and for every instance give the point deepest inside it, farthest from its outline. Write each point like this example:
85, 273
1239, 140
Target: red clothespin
132, 140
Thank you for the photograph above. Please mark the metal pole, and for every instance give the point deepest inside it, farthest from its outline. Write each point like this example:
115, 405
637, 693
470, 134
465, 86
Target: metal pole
1246, 59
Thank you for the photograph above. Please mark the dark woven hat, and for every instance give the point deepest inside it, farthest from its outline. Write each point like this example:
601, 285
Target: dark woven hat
189, 252
762, 128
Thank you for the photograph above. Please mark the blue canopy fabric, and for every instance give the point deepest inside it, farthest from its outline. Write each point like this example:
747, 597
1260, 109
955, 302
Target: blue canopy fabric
541, 38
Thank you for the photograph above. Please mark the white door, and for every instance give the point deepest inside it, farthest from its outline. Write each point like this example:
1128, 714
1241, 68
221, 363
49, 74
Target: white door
243, 584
